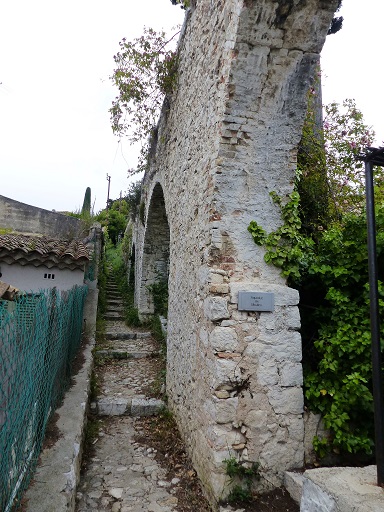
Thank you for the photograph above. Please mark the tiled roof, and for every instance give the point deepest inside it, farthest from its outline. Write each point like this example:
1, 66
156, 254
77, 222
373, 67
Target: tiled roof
38, 251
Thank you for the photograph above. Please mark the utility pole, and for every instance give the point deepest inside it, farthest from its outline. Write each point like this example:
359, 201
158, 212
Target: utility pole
109, 184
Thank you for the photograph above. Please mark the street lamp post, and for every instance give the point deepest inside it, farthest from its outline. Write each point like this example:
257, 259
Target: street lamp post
373, 157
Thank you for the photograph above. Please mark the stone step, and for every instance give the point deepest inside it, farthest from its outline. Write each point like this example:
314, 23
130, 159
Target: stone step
113, 335
114, 308
293, 482
113, 315
123, 354
127, 407
114, 297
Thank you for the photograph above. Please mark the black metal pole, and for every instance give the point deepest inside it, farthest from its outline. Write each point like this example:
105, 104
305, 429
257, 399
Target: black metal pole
377, 376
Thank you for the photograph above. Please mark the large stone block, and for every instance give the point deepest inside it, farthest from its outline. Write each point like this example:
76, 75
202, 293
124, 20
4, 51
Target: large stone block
291, 374
223, 339
216, 308
286, 400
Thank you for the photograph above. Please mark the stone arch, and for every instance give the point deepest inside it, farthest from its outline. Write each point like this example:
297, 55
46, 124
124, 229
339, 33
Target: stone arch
155, 257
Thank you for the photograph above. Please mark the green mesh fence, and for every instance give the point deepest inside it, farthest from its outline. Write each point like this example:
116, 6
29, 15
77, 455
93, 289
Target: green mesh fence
39, 337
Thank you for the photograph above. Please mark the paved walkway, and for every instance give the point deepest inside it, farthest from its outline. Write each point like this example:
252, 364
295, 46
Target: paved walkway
122, 475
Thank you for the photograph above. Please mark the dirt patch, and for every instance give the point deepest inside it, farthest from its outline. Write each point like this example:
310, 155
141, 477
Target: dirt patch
52, 432
277, 500
162, 434
79, 359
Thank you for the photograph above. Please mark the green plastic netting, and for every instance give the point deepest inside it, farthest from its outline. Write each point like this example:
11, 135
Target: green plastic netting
40, 334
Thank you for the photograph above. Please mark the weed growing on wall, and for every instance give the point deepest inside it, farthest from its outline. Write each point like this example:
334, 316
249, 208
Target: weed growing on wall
329, 267
242, 474
159, 291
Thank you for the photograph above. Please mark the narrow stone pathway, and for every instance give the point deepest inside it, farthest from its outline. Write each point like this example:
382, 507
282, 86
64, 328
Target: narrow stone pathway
122, 475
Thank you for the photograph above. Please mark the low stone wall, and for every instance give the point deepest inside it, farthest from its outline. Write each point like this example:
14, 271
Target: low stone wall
342, 490
30, 219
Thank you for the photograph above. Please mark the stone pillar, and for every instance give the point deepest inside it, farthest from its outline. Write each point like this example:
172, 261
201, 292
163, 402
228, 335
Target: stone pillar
229, 139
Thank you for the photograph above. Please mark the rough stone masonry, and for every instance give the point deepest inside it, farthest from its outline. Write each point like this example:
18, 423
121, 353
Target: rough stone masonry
227, 137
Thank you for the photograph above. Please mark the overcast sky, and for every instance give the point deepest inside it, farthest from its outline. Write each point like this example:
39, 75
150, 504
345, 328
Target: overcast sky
55, 59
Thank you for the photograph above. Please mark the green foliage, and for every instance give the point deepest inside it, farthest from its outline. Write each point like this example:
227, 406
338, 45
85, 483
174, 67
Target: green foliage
245, 473
133, 198
146, 72
328, 265
5, 231
339, 383
142, 212
114, 221
159, 291
184, 4
119, 270
241, 469
158, 333
332, 275
316, 207
346, 136
102, 284
330, 180
286, 247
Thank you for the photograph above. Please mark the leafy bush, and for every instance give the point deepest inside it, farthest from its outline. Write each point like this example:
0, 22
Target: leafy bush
326, 260
332, 277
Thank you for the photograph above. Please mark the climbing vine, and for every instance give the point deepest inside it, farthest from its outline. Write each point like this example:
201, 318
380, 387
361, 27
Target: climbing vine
328, 265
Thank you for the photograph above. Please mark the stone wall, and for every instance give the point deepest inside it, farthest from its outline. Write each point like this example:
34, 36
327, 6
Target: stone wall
227, 138
30, 219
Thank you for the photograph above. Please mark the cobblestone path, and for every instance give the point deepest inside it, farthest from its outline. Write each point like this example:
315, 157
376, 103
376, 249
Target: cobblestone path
122, 475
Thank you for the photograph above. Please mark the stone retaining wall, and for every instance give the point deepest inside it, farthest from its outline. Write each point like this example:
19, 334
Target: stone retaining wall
226, 139
30, 219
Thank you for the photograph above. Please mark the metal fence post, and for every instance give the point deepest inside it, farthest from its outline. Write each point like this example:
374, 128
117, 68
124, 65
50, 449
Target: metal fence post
377, 376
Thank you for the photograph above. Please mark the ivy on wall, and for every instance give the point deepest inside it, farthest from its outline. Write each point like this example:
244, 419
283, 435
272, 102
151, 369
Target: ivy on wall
324, 256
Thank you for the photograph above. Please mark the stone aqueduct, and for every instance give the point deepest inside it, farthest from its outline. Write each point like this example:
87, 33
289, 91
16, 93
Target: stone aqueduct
226, 139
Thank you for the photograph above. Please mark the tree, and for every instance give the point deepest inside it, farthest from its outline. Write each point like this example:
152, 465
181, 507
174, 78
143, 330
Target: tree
115, 223
145, 73
86, 209
183, 3
346, 136
330, 179
133, 198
